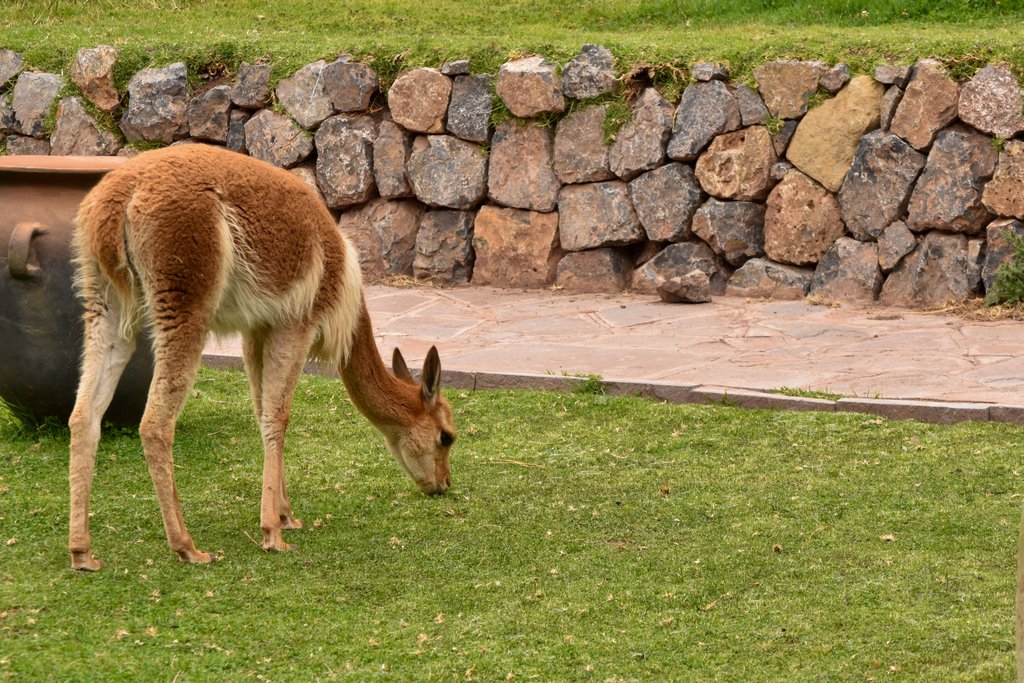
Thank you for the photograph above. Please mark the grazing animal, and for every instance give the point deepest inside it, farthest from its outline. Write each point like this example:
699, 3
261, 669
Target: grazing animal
191, 239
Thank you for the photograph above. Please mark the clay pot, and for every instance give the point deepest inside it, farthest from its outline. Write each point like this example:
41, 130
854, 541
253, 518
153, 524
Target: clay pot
40, 318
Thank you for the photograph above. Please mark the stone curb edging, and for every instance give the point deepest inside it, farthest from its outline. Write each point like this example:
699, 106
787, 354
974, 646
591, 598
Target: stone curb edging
935, 412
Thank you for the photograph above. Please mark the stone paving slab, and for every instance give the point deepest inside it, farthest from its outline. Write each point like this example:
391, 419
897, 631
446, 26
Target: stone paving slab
892, 362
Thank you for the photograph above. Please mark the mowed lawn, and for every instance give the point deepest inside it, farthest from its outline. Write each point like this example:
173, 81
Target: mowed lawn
214, 35
585, 538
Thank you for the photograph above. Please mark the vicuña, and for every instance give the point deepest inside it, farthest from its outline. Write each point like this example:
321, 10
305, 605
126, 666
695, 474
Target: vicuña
192, 239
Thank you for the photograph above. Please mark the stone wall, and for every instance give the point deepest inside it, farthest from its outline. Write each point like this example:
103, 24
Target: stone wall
898, 186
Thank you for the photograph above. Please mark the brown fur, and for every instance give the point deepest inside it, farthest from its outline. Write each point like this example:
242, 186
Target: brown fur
190, 239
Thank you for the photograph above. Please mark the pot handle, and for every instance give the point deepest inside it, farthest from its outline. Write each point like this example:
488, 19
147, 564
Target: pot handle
19, 250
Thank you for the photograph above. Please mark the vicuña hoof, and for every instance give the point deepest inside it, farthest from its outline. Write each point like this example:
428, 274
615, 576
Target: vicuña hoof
277, 546
85, 562
195, 556
290, 522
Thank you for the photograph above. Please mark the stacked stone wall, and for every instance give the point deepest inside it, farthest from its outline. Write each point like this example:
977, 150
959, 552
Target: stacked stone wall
897, 186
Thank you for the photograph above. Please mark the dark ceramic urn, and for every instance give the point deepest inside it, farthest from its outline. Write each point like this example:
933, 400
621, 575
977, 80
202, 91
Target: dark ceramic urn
40, 317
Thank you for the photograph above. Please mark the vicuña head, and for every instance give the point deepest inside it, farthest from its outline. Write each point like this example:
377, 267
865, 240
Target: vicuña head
191, 239
422, 450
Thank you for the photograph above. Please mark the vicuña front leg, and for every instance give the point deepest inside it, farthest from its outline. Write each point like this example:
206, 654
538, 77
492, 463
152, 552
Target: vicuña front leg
288, 521
284, 354
252, 353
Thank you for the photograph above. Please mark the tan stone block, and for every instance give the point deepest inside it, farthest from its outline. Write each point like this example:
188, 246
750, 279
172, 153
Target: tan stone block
826, 140
93, 73
515, 248
928, 105
1004, 194
530, 86
738, 165
419, 100
802, 221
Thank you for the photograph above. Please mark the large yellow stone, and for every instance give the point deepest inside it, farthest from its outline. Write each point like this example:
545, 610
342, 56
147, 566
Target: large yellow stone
826, 139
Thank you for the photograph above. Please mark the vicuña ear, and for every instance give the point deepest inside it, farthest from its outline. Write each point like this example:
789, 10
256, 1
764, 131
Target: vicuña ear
430, 381
399, 367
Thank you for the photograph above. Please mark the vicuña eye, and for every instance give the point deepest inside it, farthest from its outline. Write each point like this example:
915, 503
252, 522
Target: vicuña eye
447, 439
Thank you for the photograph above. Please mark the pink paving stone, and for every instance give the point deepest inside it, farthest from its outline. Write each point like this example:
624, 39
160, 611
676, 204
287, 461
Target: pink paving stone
860, 351
436, 327
485, 296
574, 327
565, 358
813, 333
994, 348
684, 338
1002, 373
397, 302
633, 315
752, 343
911, 340
764, 378
414, 350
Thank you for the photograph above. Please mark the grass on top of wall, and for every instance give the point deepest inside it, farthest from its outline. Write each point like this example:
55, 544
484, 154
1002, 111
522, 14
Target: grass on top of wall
586, 537
214, 35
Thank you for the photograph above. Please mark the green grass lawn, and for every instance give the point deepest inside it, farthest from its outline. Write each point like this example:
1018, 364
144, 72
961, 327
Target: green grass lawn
398, 33
585, 538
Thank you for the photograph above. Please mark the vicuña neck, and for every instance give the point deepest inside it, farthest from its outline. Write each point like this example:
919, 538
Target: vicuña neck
379, 395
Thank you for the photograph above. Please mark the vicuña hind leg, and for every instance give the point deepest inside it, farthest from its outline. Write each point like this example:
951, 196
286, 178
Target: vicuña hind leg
284, 353
252, 357
177, 358
106, 355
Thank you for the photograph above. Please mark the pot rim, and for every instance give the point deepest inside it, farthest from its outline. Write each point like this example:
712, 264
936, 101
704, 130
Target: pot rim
27, 163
